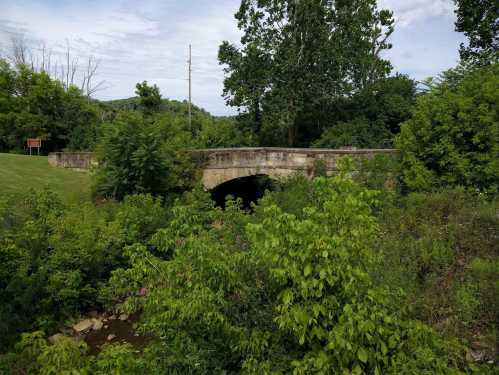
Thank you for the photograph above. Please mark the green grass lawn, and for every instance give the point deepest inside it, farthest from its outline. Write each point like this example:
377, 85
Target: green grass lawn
19, 173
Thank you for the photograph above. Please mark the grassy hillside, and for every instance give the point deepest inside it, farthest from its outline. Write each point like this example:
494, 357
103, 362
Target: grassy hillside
175, 107
19, 173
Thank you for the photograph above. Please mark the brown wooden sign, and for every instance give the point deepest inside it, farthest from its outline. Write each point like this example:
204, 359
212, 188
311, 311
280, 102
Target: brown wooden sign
34, 143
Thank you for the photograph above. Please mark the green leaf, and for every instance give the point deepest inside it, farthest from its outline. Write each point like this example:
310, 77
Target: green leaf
308, 270
362, 355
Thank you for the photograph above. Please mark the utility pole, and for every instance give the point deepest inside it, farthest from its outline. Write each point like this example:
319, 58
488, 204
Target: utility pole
190, 89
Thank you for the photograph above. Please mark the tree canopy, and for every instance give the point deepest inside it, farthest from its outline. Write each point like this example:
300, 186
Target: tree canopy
296, 57
33, 105
478, 20
149, 96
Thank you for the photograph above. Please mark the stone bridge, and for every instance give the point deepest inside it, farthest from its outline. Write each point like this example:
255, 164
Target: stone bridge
221, 165
225, 164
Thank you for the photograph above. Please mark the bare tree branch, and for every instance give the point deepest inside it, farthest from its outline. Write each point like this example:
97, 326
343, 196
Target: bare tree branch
67, 64
74, 68
90, 87
65, 71
19, 50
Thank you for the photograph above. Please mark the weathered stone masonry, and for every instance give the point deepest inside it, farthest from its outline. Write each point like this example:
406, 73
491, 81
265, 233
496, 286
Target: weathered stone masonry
225, 164
73, 160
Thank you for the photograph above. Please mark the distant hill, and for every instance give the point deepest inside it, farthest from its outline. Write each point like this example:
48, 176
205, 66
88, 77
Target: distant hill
173, 106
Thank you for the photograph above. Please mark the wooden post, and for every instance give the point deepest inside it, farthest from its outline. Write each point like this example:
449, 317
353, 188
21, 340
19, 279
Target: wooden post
190, 88
34, 143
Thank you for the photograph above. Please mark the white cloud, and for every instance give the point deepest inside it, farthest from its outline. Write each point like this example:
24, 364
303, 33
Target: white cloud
407, 12
97, 24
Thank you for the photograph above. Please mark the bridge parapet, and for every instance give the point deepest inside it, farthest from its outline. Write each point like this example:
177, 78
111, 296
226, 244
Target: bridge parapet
225, 164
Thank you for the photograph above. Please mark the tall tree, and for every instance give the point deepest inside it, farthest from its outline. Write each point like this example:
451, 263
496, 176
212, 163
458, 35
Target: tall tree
34, 105
150, 98
295, 55
479, 21
246, 78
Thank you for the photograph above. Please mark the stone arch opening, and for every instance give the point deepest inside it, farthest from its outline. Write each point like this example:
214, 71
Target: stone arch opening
248, 188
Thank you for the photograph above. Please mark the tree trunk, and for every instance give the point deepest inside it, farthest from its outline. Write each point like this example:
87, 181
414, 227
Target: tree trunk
258, 117
291, 135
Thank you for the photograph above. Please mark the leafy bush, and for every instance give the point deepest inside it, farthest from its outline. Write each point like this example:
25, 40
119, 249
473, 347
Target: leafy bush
131, 160
453, 136
120, 359
441, 249
276, 292
54, 258
139, 217
34, 355
486, 274
357, 133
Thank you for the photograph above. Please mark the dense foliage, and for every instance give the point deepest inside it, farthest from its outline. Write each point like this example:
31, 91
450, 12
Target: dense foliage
309, 283
453, 135
53, 257
33, 105
442, 249
297, 58
146, 149
388, 267
131, 160
478, 20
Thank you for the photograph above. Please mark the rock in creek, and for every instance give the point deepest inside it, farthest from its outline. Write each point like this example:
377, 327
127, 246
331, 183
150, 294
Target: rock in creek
97, 324
110, 337
83, 326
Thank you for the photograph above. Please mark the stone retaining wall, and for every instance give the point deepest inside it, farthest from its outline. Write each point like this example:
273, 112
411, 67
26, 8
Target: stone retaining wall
73, 160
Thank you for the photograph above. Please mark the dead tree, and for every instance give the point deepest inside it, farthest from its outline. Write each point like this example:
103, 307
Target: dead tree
20, 50
88, 86
65, 71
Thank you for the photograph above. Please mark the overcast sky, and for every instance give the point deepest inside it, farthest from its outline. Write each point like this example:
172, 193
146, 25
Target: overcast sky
148, 40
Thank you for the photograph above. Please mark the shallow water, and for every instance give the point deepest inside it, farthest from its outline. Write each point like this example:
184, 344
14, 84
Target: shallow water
124, 331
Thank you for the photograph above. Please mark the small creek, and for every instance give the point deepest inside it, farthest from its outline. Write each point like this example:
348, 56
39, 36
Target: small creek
124, 333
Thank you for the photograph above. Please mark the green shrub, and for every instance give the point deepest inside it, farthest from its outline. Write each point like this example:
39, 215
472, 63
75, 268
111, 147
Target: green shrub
357, 133
34, 355
482, 281
55, 258
287, 294
139, 217
441, 249
131, 160
467, 305
66, 356
119, 359
453, 136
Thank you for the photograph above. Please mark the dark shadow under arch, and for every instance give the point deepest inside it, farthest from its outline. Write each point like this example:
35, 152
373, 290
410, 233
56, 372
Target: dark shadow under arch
249, 189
